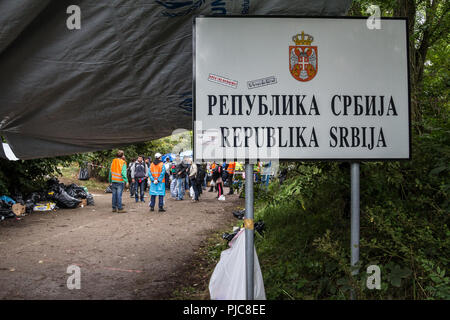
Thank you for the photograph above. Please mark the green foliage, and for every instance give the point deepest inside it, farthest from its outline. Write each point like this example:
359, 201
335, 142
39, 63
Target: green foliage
305, 253
102, 159
29, 175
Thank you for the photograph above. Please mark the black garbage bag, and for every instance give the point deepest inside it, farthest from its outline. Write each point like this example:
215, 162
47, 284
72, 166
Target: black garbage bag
75, 191
46, 195
90, 199
35, 197
4, 204
52, 182
283, 175
70, 189
260, 226
239, 214
5, 210
29, 205
80, 193
108, 189
84, 174
229, 236
18, 198
64, 200
6, 213
71, 192
54, 188
53, 185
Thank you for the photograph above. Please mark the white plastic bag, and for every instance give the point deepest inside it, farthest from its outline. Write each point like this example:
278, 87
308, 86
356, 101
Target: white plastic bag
173, 188
228, 279
192, 192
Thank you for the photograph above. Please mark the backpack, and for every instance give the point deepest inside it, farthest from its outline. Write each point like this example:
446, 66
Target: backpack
139, 170
225, 175
215, 173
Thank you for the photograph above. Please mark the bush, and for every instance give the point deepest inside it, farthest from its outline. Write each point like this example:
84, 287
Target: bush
26, 176
305, 253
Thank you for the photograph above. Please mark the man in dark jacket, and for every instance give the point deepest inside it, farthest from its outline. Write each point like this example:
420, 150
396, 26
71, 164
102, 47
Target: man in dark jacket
181, 173
139, 173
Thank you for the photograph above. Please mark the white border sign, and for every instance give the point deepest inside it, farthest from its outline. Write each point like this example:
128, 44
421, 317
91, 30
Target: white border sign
296, 88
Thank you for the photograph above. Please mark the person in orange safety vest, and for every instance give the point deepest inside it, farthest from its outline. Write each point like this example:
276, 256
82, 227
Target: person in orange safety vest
157, 177
230, 169
118, 178
212, 167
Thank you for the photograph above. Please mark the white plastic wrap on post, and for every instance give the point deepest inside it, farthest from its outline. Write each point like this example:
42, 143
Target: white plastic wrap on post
228, 281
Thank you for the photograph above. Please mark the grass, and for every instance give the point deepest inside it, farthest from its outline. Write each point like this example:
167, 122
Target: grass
70, 175
204, 262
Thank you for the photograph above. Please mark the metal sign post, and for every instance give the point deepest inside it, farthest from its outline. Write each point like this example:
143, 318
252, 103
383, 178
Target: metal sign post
354, 241
249, 231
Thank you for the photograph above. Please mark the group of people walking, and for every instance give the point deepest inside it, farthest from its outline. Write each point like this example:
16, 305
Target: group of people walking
177, 175
186, 174
221, 174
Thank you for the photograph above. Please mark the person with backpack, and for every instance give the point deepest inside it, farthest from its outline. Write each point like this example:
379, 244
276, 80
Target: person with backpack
192, 176
139, 174
181, 173
230, 170
217, 177
213, 167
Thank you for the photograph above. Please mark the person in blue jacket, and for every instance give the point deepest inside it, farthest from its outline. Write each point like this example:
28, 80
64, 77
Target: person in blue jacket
158, 183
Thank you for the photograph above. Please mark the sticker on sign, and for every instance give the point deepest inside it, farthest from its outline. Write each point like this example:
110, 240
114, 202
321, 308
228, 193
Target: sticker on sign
261, 82
222, 80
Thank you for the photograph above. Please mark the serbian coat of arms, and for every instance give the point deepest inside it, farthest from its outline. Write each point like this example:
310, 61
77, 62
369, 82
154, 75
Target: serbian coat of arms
303, 57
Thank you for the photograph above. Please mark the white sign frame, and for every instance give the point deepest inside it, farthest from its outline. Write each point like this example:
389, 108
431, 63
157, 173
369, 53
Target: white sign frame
231, 83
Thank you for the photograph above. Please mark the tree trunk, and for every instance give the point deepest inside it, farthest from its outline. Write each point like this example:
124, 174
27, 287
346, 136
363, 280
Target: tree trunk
407, 8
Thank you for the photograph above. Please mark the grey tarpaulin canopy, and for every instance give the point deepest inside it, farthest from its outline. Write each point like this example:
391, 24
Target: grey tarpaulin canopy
124, 77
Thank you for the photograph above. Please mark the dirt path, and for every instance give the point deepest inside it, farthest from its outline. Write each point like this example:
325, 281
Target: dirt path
135, 255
